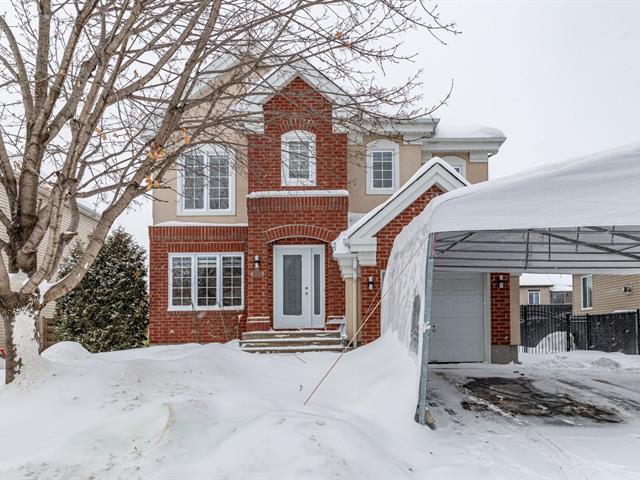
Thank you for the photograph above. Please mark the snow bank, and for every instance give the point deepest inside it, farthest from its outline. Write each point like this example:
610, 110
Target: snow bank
583, 360
193, 411
187, 411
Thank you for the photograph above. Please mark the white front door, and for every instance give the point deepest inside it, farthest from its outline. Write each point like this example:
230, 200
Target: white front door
298, 279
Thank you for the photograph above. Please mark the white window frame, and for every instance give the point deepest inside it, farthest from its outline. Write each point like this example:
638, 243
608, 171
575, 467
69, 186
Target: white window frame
529, 293
298, 136
383, 145
194, 281
459, 164
582, 292
206, 150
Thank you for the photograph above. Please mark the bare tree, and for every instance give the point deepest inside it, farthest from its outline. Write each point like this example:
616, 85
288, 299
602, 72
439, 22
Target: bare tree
101, 97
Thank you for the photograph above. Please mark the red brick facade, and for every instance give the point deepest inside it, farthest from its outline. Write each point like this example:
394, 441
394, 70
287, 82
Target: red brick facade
300, 107
384, 244
167, 326
295, 220
323, 217
500, 296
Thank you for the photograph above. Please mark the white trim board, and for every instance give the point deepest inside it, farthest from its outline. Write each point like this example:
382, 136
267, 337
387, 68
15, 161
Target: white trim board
298, 193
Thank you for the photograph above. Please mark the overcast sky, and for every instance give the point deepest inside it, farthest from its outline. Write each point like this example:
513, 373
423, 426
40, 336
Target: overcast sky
561, 79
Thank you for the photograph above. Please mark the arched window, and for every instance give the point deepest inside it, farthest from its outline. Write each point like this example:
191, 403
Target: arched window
383, 170
298, 158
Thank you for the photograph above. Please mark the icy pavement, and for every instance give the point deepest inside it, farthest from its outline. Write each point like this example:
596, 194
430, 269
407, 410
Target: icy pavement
214, 411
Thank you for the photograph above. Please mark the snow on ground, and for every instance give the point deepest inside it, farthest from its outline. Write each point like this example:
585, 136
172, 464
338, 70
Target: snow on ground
213, 411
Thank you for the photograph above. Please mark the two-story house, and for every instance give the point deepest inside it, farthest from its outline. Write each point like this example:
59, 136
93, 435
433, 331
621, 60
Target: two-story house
293, 226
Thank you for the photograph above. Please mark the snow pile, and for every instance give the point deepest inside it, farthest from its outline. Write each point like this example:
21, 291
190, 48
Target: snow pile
192, 411
187, 411
583, 360
552, 343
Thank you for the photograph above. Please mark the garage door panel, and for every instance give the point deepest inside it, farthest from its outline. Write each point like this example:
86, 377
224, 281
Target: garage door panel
458, 318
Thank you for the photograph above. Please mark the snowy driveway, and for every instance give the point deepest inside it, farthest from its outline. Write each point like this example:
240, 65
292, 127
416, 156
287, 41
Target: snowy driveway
553, 446
209, 412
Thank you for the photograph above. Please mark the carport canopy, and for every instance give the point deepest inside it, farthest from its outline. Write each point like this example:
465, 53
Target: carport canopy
580, 216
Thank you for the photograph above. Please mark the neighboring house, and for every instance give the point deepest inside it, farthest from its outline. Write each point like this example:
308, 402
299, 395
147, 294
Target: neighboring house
597, 294
543, 289
299, 237
86, 225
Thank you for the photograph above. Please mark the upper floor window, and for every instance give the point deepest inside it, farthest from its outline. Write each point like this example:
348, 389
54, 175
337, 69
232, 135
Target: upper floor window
207, 182
382, 167
298, 158
458, 164
586, 290
534, 297
206, 281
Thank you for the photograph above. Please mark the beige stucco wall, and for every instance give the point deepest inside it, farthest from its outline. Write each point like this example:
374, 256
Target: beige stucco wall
545, 294
411, 157
608, 295
359, 200
476, 171
165, 204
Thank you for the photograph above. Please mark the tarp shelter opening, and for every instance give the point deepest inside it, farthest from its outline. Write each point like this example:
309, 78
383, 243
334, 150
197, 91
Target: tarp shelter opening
581, 216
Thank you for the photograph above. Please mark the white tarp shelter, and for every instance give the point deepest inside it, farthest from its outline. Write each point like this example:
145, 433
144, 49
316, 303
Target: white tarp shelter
580, 216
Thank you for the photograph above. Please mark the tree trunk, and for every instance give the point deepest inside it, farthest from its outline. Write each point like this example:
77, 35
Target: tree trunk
22, 345
10, 349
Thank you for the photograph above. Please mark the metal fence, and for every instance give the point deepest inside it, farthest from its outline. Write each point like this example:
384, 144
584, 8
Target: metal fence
553, 328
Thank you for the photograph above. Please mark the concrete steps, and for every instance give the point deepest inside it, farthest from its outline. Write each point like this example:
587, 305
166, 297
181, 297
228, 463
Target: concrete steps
292, 341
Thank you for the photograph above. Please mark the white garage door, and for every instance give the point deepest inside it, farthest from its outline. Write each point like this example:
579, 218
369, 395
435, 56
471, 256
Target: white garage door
458, 318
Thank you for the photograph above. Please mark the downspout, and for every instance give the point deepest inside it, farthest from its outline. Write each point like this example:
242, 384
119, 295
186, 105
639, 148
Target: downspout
424, 415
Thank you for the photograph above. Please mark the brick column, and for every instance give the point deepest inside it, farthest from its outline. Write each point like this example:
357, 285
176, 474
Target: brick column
501, 349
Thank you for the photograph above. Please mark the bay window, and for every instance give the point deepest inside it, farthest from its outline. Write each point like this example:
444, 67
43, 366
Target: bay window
206, 281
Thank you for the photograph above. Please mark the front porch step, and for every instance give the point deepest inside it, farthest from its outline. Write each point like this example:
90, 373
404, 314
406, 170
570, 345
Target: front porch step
295, 349
292, 341
272, 334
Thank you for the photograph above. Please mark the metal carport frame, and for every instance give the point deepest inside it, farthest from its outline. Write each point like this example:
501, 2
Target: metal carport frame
585, 249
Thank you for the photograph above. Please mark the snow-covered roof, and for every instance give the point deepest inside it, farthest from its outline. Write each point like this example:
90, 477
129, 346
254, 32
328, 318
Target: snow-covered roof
450, 130
601, 189
585, 218
282, 75
479, 140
